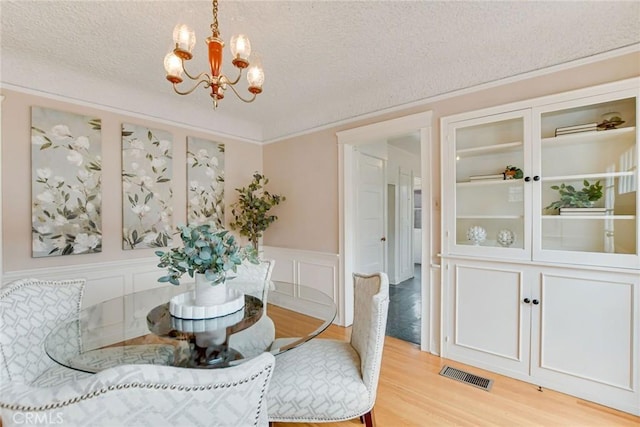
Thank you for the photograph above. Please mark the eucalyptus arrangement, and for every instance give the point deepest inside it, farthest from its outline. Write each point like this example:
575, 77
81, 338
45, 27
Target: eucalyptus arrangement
251, 211
572, 198
206, 251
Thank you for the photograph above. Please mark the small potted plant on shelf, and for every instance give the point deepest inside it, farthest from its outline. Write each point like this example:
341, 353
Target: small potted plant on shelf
572, 198
512, 172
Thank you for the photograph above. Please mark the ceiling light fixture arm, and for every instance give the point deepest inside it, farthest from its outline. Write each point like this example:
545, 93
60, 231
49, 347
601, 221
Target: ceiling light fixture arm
207, 83
198, 77
227, 81
240, 96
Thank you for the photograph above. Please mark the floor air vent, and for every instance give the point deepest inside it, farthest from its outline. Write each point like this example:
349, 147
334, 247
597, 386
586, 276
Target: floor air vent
465, 377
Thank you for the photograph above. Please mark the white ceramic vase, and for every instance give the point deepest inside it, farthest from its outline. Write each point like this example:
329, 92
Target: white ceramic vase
505, 238
476, 235
207, 293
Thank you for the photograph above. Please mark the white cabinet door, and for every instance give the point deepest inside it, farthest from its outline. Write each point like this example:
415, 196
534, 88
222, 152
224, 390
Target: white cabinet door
586, 182
585, 333
487, 319
574, 331
483, 203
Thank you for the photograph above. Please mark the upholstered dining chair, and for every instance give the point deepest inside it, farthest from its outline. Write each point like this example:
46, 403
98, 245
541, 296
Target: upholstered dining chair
148, 395
254, 279
29, 310
330, 380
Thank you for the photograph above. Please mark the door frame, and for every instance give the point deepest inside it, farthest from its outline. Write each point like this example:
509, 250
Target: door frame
347, 140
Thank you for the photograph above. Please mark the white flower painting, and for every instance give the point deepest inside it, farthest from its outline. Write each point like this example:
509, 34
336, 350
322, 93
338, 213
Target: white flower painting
146, 187
205, 178
66, 178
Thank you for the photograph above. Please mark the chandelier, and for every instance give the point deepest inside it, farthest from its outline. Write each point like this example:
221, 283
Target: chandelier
185, 39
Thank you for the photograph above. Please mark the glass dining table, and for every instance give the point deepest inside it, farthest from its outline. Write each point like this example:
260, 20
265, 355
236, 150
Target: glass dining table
138, 328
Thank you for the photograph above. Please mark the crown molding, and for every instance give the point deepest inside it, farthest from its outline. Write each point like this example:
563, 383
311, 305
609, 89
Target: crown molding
633, 48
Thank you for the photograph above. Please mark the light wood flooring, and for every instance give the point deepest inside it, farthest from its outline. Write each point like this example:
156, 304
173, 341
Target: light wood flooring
412, 393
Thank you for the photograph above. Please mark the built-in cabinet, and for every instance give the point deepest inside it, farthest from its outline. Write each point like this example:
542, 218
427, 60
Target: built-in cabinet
541, 261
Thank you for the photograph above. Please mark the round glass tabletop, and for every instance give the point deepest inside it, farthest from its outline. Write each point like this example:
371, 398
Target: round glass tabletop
139, 329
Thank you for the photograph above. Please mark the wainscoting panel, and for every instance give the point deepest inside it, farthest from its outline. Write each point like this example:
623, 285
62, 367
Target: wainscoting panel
317, 270
104, 280
318, 276
112, 279
284, 269
101, 289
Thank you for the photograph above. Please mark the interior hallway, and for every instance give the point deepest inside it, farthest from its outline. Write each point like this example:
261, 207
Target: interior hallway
405, 308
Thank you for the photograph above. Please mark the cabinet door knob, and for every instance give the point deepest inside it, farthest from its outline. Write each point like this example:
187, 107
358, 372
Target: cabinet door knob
527, 178
526, 300
383, 239
535, 302
536, 178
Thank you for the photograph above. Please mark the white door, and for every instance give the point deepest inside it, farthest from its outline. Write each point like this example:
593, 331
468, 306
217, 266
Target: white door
405, 225
370, 214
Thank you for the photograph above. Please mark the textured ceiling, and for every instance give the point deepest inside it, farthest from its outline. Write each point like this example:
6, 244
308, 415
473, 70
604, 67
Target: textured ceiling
324, 61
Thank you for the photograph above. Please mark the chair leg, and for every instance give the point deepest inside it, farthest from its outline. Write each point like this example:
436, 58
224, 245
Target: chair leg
368, 419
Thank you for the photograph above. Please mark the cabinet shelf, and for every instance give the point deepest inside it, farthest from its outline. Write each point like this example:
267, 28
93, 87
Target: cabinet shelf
489, 217
599, 136
583, 217
483, 182
489, 149
590, 176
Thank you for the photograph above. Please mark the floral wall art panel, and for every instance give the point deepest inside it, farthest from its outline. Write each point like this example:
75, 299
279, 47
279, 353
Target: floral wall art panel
205, 178
66, 176
146, 187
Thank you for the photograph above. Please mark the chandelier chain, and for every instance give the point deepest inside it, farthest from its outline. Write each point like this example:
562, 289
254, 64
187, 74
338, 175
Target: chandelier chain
214, 24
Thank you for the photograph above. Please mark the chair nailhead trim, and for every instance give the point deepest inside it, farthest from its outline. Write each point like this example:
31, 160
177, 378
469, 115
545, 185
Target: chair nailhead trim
96, 393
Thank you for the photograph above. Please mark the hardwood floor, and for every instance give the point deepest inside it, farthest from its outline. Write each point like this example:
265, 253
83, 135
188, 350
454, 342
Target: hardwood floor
412, 393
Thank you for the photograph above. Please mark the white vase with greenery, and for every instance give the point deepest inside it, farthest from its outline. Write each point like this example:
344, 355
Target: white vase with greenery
207, 255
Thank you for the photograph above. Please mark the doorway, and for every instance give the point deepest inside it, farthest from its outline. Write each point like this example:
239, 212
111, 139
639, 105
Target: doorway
350, 142
404, 320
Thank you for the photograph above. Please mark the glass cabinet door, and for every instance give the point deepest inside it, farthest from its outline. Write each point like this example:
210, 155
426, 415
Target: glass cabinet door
587, 199
488, 157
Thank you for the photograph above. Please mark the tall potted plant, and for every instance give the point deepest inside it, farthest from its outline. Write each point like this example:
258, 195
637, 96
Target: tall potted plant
251, 212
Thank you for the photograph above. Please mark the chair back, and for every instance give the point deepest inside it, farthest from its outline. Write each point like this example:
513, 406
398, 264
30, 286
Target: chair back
29, 310
253, 279
151, 395
371, 302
